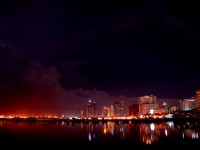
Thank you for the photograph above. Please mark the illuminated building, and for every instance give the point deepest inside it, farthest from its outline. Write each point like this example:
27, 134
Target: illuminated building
82, 114
198, 98
147, 104
116, 109
91, 109
172, 109
105, 112
123, 108
187, 104
120, 109
160, 111
112, 112
165, 107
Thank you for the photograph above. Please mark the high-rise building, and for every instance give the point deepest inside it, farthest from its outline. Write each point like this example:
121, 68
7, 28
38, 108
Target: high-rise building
116, 109
123, 108
112, 111
105, 112
197, 98
165, 107
91, 109
147, 104
120, 109
187, 104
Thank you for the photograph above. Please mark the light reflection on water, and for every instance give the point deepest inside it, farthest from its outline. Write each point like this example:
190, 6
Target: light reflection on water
63, 132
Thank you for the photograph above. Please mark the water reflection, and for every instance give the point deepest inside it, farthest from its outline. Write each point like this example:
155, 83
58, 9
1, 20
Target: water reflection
110, 132
115, 129
149, 133
92, 130
189, 133
190, 130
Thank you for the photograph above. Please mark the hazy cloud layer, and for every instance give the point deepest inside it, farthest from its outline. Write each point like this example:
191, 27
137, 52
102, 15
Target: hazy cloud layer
41, 93
27, 87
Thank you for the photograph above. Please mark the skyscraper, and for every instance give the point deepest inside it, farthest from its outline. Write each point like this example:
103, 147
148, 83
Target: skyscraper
116, 109
147, 104
187, 104
91, 109
120, 109
197, 98
105, 111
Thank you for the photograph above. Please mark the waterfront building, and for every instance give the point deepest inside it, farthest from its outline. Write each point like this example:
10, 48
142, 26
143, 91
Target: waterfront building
120, 109
112, 112
91, 109
197, 98
187, 104
147, 104
172, 109
105, 112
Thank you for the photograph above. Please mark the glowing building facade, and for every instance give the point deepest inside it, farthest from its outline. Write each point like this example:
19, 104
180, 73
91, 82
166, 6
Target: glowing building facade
112, 111
105, 112
91, 109
147, 104
187, 104
197, 98
120, 109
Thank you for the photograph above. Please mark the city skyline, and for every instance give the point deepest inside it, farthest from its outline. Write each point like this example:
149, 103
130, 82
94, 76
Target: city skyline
120, 104
56, 54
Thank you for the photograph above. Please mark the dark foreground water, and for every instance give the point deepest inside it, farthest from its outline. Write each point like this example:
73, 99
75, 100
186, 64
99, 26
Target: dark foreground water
99, 135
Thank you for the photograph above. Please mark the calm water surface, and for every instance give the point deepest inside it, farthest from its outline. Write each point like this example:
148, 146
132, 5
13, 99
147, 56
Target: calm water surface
99, 134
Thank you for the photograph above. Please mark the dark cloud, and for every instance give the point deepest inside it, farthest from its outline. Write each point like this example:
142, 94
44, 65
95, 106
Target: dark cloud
40, 93
70, 76
36, 90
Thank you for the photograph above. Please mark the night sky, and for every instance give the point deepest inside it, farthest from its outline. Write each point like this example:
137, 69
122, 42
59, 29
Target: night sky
56, 55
